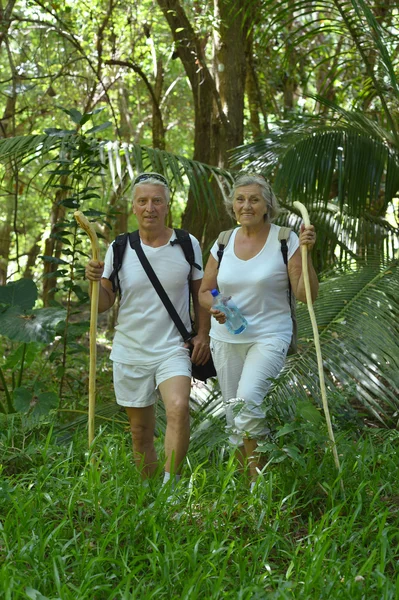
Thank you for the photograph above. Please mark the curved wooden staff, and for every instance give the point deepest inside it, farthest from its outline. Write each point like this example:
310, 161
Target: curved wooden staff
95, 287
304, 251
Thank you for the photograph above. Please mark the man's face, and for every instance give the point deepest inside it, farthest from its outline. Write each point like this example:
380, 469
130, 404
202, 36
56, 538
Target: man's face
150, 206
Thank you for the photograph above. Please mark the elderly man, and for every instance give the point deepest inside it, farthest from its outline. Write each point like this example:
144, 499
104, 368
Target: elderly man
148, 351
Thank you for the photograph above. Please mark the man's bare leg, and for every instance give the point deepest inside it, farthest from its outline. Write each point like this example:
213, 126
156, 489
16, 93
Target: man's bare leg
142, 427
175, 394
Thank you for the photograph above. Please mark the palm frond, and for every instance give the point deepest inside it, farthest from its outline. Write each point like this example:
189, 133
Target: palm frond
125, 161
358, 317
352, 20
23, 146
343, 239
312, 158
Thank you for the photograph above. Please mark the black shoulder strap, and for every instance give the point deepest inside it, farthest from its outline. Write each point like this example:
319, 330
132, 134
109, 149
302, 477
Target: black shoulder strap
223, 240
183, 238
283, 235
134, 240
284, 251
119, 246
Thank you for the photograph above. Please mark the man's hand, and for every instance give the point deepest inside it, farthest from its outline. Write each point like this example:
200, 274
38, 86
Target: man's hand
201, 351
94, 270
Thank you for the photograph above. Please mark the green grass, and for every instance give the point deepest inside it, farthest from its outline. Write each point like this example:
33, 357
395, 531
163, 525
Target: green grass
73, 530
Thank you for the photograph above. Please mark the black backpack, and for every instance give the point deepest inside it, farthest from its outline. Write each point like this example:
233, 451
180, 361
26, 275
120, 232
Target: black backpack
283, 235
119, 246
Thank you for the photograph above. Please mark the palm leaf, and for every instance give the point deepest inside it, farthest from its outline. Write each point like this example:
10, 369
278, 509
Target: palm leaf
308, 158
341, 238
125, 161
23, 146
355, 24
358, 317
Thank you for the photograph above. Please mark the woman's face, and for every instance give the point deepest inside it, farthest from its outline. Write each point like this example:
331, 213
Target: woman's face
249, 206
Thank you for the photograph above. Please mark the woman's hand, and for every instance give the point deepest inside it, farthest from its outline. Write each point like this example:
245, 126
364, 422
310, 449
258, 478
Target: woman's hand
307, 236
218, 315
94, 270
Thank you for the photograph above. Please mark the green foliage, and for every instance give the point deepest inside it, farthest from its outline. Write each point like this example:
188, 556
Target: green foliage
75, 529
19, 322
357, 314
340, 157
30, 326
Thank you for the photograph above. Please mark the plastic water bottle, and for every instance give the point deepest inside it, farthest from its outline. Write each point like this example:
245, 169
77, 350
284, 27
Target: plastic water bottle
235, 322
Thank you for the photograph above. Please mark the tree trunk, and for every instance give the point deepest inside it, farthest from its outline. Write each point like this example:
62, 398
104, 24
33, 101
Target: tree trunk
5, 234
32, 255
218, 100
53, 247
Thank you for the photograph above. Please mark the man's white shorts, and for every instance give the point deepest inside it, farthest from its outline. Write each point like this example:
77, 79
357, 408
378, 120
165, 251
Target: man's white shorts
135, 385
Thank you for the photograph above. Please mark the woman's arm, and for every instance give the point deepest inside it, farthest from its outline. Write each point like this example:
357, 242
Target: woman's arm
209, 282
307, 237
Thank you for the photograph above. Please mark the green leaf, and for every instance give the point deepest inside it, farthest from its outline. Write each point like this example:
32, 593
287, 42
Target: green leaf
53, 259
22, 293
54, 132
45, 402
5, 490
75, 115
55, 274
86, 117
22, 399
98, 127
287, 428
294, 453
82, 295
69, 203
35, 326
35, 594
308, 412
76, 330
30, 353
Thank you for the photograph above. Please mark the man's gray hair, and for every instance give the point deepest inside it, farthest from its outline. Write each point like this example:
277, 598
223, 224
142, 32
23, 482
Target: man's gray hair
266, 190
153, 181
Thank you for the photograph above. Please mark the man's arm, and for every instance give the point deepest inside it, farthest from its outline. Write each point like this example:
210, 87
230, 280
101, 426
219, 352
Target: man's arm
200, 342
94, 271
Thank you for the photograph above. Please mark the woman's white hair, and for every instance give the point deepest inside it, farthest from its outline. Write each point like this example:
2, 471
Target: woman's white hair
266, 190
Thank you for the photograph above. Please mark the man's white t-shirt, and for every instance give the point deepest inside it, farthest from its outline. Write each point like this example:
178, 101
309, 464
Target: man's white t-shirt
259, 287
145, 333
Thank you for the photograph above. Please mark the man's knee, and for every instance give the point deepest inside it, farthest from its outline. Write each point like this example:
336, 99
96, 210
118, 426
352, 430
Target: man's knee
177, 409
142, 435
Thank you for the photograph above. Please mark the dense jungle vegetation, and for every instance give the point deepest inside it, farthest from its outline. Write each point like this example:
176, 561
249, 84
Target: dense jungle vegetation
93, 93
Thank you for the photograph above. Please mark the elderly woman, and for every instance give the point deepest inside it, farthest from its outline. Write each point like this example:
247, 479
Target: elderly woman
254, 274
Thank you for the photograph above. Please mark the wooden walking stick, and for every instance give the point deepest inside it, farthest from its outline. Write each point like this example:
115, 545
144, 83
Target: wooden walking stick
304, 251
89, 229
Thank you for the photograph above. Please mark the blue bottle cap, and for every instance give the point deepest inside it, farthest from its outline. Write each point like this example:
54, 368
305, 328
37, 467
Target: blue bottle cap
214, 293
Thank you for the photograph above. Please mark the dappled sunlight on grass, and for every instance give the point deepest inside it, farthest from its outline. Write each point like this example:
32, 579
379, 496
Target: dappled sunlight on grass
73, 529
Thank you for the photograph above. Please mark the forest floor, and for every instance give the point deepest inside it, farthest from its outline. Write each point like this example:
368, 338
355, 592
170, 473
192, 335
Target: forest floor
79, 526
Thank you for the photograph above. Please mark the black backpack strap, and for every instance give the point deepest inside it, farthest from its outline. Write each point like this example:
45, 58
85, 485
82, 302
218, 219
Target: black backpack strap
283, 235
119, 247
223, 240
134, 239
183, 238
